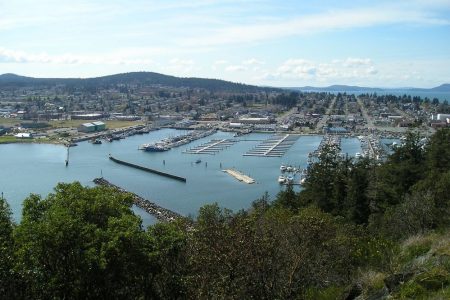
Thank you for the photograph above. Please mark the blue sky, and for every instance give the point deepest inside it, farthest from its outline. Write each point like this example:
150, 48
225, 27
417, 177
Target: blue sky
277, 43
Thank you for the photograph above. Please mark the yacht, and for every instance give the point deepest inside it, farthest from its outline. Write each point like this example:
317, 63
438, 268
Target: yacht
283, 168
154, 148
281, 179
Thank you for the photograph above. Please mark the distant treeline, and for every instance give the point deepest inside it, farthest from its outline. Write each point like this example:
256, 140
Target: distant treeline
340, 237
132, 78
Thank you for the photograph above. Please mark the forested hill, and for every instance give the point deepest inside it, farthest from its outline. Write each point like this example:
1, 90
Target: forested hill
138, 78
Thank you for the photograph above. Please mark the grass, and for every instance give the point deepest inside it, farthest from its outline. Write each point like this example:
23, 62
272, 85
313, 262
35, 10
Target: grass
111, 124
9, 121
424, 260
8, 139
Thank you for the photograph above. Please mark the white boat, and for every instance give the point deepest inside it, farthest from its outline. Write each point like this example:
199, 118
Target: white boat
289, 169
358, 155
281, 179
290, 179
283, 168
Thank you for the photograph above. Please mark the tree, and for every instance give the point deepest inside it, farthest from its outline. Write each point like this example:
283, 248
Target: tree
357, 203
82, 243
319, 184
288, 199
403, 169
7, 284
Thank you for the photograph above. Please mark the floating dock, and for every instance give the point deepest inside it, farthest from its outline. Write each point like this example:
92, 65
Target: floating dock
169, 143
147, 169
160, 213
275, 146
211, 147
239, 176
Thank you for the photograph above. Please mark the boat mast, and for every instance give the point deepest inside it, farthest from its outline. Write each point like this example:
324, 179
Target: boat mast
67, 158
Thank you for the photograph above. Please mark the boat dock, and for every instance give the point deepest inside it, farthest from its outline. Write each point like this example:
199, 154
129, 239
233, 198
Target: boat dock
211, 147
240, 176
160, 213
275, 146
332, 141
169, 143
147, 169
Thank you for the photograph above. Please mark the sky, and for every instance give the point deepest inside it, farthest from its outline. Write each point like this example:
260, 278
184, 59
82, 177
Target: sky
272, 43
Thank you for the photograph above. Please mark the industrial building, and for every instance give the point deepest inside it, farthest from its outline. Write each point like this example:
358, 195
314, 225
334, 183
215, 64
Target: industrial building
92, 127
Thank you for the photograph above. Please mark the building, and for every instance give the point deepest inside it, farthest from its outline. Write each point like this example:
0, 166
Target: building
86, 127
92, 127
441, 117
24, 135
92, 116
99, 126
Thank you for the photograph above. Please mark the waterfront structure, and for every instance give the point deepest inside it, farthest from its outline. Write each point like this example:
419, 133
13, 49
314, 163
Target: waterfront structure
92, 127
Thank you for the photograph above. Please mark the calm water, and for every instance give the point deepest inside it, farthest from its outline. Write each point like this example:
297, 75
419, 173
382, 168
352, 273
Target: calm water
32, 168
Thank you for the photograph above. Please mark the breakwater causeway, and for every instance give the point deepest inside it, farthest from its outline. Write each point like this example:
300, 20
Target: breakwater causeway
147, 169
160, 213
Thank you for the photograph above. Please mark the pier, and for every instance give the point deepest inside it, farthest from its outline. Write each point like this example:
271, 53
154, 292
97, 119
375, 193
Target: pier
275, 146
169, 143
160, 213
147, 169
211, 147
239, 176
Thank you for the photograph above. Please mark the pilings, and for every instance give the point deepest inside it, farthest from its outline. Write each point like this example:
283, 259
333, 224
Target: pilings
160, 213
147, 169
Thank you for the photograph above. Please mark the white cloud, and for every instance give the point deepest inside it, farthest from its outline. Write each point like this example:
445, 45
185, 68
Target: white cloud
117, 58
311, 24
337, 69
235, 68
253, 61
371, 70
218, 63
179, 66
351, 61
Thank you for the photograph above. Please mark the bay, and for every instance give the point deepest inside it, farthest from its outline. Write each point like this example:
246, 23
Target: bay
37, 168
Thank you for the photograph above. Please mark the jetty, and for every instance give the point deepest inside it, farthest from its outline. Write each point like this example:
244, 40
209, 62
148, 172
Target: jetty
211, 147
240, 176
147, 169
160, 213
275, 146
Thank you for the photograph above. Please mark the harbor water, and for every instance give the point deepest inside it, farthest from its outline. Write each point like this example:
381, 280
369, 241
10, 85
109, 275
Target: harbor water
37, 168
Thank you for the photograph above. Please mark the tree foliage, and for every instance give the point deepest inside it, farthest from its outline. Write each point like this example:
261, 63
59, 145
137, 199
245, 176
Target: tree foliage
82, 242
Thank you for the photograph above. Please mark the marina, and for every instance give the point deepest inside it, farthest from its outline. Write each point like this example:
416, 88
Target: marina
333, 141
211, 147
25, 163
275, 146
177, 141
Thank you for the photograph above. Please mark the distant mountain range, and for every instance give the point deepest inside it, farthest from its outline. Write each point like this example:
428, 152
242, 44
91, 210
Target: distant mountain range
139, 78
445, 88
157, 79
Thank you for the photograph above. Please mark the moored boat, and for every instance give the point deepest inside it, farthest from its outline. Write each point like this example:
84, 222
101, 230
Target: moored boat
281, 179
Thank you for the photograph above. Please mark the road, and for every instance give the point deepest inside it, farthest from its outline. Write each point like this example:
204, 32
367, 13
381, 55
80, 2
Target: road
365, 115
323, 121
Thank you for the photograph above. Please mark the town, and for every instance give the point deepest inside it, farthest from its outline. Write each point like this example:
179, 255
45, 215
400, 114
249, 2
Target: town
62, 112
